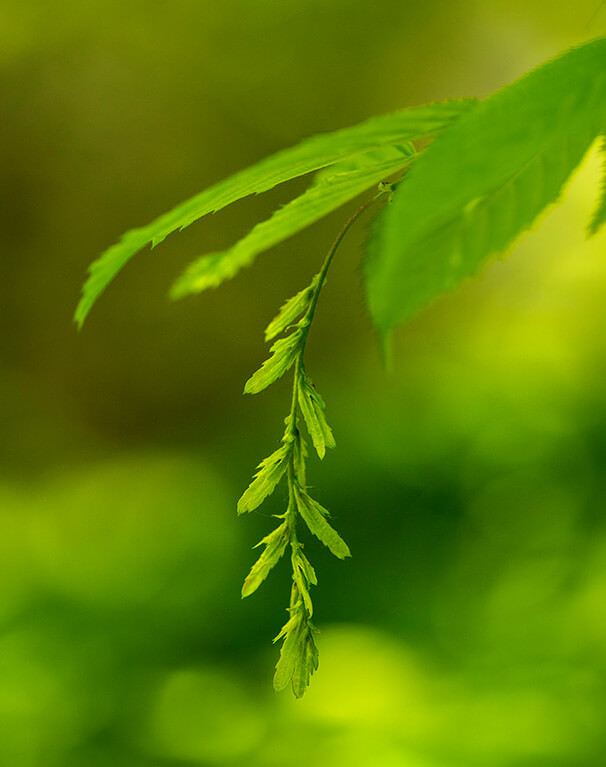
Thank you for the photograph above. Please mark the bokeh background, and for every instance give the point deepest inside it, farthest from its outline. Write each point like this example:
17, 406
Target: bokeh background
469, 627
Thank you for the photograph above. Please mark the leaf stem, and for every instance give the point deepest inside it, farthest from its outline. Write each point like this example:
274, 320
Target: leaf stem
309, 314
295, 474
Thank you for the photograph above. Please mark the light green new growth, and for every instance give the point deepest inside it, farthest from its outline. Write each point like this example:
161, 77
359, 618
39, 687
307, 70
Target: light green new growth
299, 654
490, 171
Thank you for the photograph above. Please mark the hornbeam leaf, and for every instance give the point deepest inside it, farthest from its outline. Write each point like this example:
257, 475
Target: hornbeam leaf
481, 183
275, 546
320, 199
599, 217
314, 517
312, 407
310, 155
271, 471
285, 352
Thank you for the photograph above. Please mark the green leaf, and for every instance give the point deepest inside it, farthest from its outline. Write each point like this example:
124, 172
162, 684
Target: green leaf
599, 217
302, 585
307, 569
275, 546
312, 407
291, 310
300, 454
306, 664
285, 352
304, 576
481, 183
271, 471
365, 159
298, 654
320, 199
293, 632
311, 154
314, 516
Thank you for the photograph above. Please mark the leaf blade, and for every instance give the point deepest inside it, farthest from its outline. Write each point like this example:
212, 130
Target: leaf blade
284, 353
270, 472
314, 515
319, 200
275, 546
291, 310
311, 154
562, 100
312, 408
290, 651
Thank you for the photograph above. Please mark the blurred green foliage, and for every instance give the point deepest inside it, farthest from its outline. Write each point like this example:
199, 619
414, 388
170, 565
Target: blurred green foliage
468, 628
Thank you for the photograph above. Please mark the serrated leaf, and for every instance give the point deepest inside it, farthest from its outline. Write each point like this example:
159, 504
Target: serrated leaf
314, 516
366, 159
284, 353
291, 310
304, 576
302, 586
306, 567
298, 654
291, 649
307, 663
320, 199
300, 454
275, 545
481, 183
312, 408
599, 216
310, 155
271, 471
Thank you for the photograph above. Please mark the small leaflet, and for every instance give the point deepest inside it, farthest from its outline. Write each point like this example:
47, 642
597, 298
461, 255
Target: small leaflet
275, 545
291, 310
314, 516
306, 665
298, 655
307, 568
300, 578
312, 407
292, 631
284, 354
271, 470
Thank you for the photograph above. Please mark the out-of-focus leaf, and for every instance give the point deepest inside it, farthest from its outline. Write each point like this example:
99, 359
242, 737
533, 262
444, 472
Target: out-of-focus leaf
484, 181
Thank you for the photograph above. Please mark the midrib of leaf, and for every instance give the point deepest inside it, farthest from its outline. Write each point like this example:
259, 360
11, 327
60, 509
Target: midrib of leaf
310, 155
